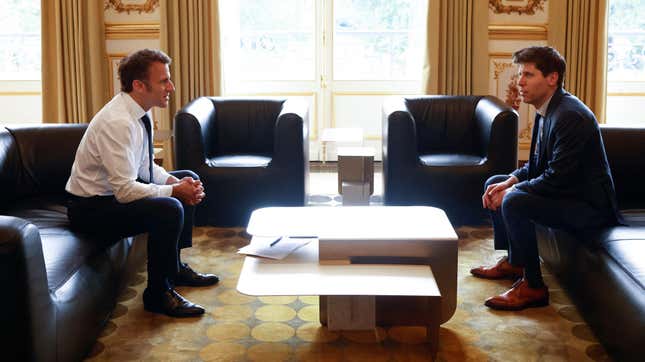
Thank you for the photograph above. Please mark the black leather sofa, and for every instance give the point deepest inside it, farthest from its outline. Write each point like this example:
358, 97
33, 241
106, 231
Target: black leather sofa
604, 271
439, 150
249, 153
58, 286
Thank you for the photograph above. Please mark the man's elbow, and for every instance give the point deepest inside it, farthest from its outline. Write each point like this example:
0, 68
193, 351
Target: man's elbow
123, 195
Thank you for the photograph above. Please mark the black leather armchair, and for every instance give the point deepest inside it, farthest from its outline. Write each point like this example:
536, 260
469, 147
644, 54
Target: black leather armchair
249, 153
439, 151
59, 286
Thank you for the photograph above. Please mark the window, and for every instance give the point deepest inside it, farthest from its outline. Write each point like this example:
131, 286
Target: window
20, 59
343, 56
20, 40
626, 62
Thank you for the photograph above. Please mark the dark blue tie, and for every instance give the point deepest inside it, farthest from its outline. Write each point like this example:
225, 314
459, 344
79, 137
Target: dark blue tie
146, 123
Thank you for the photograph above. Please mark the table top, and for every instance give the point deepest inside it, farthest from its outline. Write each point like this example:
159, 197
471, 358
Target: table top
356, 151
353, 223
301, 274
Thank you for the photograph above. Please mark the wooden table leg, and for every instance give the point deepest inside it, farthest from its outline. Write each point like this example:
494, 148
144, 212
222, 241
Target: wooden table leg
322, 309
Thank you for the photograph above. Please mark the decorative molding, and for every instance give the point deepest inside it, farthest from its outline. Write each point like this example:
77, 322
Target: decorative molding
529, 8
517, 32
20, 93
113, 64
132, 31
506, 89
141, 6
499, 68
625, 94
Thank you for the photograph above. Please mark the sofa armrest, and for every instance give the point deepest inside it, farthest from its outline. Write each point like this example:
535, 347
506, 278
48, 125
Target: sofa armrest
28, 314
624, 147
497, 124
291, 138
194, 131
399, 135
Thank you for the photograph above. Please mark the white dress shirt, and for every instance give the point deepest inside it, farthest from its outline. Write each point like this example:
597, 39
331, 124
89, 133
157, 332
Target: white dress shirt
114, 153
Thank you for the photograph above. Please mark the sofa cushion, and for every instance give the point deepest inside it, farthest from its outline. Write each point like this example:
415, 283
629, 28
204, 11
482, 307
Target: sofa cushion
452, 160
46, 154
64, 250
245, 125
628, 254
239, 161
445, 124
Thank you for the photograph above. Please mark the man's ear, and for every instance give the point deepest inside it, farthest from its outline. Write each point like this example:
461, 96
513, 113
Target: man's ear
552, 78
138, 86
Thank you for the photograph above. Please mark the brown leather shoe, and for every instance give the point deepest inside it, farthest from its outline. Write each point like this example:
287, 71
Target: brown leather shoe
520, 296
502, 270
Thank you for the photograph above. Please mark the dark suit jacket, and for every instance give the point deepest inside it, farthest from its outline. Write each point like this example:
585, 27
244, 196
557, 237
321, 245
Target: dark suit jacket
572, 163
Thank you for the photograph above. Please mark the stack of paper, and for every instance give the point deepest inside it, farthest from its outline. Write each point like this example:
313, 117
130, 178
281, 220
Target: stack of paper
274, 247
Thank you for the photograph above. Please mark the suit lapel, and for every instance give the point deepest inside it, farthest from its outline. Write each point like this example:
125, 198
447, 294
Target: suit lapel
547, 127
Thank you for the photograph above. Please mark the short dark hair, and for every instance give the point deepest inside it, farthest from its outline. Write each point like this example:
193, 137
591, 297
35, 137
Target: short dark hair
545, 58
135, 66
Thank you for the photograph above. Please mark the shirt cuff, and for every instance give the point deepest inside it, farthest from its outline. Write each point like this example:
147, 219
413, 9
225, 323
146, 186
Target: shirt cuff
165, 190
160, 176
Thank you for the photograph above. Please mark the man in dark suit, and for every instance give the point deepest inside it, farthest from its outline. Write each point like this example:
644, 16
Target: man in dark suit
566, 183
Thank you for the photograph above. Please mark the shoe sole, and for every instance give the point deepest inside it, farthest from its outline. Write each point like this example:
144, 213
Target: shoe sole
194, 284
161, 311
509, 277
534, 304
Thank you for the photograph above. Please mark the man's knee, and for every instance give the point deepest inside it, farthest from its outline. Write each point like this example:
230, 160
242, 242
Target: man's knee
495, 179
516, 203
184, 173
169, 210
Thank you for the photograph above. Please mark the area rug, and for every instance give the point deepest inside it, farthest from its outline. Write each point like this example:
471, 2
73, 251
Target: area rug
237, 327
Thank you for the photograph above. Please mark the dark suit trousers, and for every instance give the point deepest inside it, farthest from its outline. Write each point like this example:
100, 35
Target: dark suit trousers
168, 222
514, 224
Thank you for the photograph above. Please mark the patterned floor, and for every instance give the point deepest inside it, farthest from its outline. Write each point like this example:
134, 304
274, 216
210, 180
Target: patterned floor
242, 328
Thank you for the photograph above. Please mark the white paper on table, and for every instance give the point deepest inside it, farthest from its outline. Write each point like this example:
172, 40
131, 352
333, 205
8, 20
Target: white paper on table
261, 246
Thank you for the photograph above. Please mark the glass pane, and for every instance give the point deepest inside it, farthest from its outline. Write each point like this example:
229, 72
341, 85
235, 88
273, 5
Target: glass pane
20, 39
378, 39
275, 40
626, 41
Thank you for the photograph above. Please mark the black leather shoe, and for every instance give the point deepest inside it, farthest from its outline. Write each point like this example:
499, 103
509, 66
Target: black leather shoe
190, 278
170, 303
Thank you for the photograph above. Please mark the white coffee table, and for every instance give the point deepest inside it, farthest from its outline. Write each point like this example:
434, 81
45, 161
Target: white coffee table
373, 234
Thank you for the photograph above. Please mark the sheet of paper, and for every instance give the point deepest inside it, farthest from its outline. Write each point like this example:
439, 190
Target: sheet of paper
261, 246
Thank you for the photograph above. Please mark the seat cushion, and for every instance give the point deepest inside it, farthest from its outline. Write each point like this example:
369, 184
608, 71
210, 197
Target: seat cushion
239, 161
634, 217
64, 250
628, 253
439, 159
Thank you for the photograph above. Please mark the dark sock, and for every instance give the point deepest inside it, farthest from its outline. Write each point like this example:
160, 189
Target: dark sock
533, 277
158, 287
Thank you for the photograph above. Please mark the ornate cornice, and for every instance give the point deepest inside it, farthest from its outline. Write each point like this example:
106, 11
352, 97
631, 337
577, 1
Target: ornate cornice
529, 8
142, 6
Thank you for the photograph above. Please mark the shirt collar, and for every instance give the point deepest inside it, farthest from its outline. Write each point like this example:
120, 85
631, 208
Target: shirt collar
542, 110
133, 107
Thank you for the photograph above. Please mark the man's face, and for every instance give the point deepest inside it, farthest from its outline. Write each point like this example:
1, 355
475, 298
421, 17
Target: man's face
155, 91
534, 87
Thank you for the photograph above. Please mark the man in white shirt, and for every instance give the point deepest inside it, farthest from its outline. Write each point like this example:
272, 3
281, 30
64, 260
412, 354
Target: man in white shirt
566, 184
116, 190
